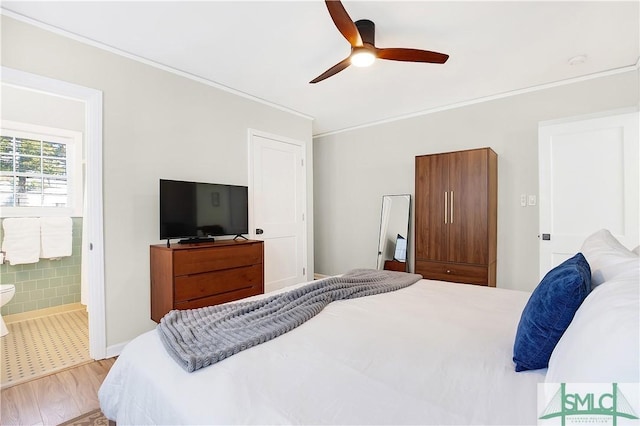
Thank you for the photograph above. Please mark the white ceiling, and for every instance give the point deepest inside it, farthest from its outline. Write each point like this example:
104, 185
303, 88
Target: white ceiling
271, 50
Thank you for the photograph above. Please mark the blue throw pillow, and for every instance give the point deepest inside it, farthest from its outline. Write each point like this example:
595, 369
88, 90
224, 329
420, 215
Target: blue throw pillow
549, 312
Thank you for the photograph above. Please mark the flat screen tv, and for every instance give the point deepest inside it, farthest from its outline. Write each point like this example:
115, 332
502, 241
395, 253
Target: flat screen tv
197, 212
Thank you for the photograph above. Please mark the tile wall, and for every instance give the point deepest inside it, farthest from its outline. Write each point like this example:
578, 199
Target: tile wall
47, 283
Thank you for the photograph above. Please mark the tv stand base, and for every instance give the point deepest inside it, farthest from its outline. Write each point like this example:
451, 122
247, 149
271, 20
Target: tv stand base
197, 240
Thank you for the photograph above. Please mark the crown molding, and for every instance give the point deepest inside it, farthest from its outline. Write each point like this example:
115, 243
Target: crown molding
222, 87
485, 99
111, 49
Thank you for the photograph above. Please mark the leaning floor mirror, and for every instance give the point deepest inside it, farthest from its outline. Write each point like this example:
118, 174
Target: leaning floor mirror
394, 232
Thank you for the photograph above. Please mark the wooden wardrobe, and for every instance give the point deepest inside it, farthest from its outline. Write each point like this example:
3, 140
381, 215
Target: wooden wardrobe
456, 216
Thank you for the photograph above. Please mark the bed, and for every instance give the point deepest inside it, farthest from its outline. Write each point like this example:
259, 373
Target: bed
431, 353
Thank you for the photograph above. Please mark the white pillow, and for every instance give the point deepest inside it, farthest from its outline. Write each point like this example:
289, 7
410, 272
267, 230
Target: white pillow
602, 343
607, 257
636, 250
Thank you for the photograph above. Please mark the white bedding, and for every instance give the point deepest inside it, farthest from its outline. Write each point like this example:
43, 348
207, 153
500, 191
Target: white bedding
432, 353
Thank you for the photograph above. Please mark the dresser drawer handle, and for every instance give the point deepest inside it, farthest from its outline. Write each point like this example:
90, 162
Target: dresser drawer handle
448, 271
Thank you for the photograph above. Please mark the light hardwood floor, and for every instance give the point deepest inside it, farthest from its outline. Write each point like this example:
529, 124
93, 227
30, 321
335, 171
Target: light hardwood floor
54, 399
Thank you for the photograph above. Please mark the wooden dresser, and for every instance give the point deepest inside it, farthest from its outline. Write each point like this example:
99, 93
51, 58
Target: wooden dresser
456, 216
187, 276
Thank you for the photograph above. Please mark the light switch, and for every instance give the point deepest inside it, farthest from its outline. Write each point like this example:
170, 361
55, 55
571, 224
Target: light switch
523, 200
532, 200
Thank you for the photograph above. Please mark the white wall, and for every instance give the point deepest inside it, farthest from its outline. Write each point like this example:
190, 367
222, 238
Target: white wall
355, 168
156, 125
27, 106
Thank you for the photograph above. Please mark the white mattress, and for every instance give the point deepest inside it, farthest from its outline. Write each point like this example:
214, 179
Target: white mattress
432, 353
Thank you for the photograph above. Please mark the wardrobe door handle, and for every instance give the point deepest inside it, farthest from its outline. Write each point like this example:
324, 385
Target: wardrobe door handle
451, 206
445, 207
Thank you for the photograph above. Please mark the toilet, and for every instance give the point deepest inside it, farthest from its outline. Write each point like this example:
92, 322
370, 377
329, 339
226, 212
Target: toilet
7, 291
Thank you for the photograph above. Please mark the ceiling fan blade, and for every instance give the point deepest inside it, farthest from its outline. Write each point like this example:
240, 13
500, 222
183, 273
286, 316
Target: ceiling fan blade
412, 55
343, 22
333, 70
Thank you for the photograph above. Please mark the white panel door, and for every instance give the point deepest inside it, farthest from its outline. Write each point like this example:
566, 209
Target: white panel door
588, 181
277, 207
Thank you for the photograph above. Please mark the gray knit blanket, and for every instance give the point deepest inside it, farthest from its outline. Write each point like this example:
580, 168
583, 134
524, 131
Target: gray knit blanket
197, 338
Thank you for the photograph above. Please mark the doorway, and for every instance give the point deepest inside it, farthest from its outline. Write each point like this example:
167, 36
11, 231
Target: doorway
277, 206
93, 248
588, 181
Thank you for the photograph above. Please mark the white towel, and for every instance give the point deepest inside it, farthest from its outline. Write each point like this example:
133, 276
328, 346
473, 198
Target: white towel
21, 240
55, 237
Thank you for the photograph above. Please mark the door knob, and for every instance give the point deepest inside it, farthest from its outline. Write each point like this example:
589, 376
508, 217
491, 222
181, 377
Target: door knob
259, 231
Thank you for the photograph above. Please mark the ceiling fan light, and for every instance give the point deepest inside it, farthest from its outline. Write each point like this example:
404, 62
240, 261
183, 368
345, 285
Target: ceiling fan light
363, 58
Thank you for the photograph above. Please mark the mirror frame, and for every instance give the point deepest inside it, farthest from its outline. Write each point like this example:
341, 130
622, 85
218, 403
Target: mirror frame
386, 214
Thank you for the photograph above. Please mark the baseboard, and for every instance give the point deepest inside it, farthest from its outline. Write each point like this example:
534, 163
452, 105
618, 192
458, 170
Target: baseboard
38, 313
115, 350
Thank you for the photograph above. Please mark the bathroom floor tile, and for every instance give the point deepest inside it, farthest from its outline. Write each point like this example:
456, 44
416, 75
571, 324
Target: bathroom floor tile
41, 346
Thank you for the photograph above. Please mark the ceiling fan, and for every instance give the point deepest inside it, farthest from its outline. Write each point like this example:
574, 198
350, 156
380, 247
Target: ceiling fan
361, 36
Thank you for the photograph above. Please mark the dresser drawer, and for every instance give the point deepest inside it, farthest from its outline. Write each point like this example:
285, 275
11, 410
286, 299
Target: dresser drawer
190, 287
208, 259
456, 272
218, 298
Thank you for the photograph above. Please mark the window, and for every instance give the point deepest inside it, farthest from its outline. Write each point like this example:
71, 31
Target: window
40, 171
